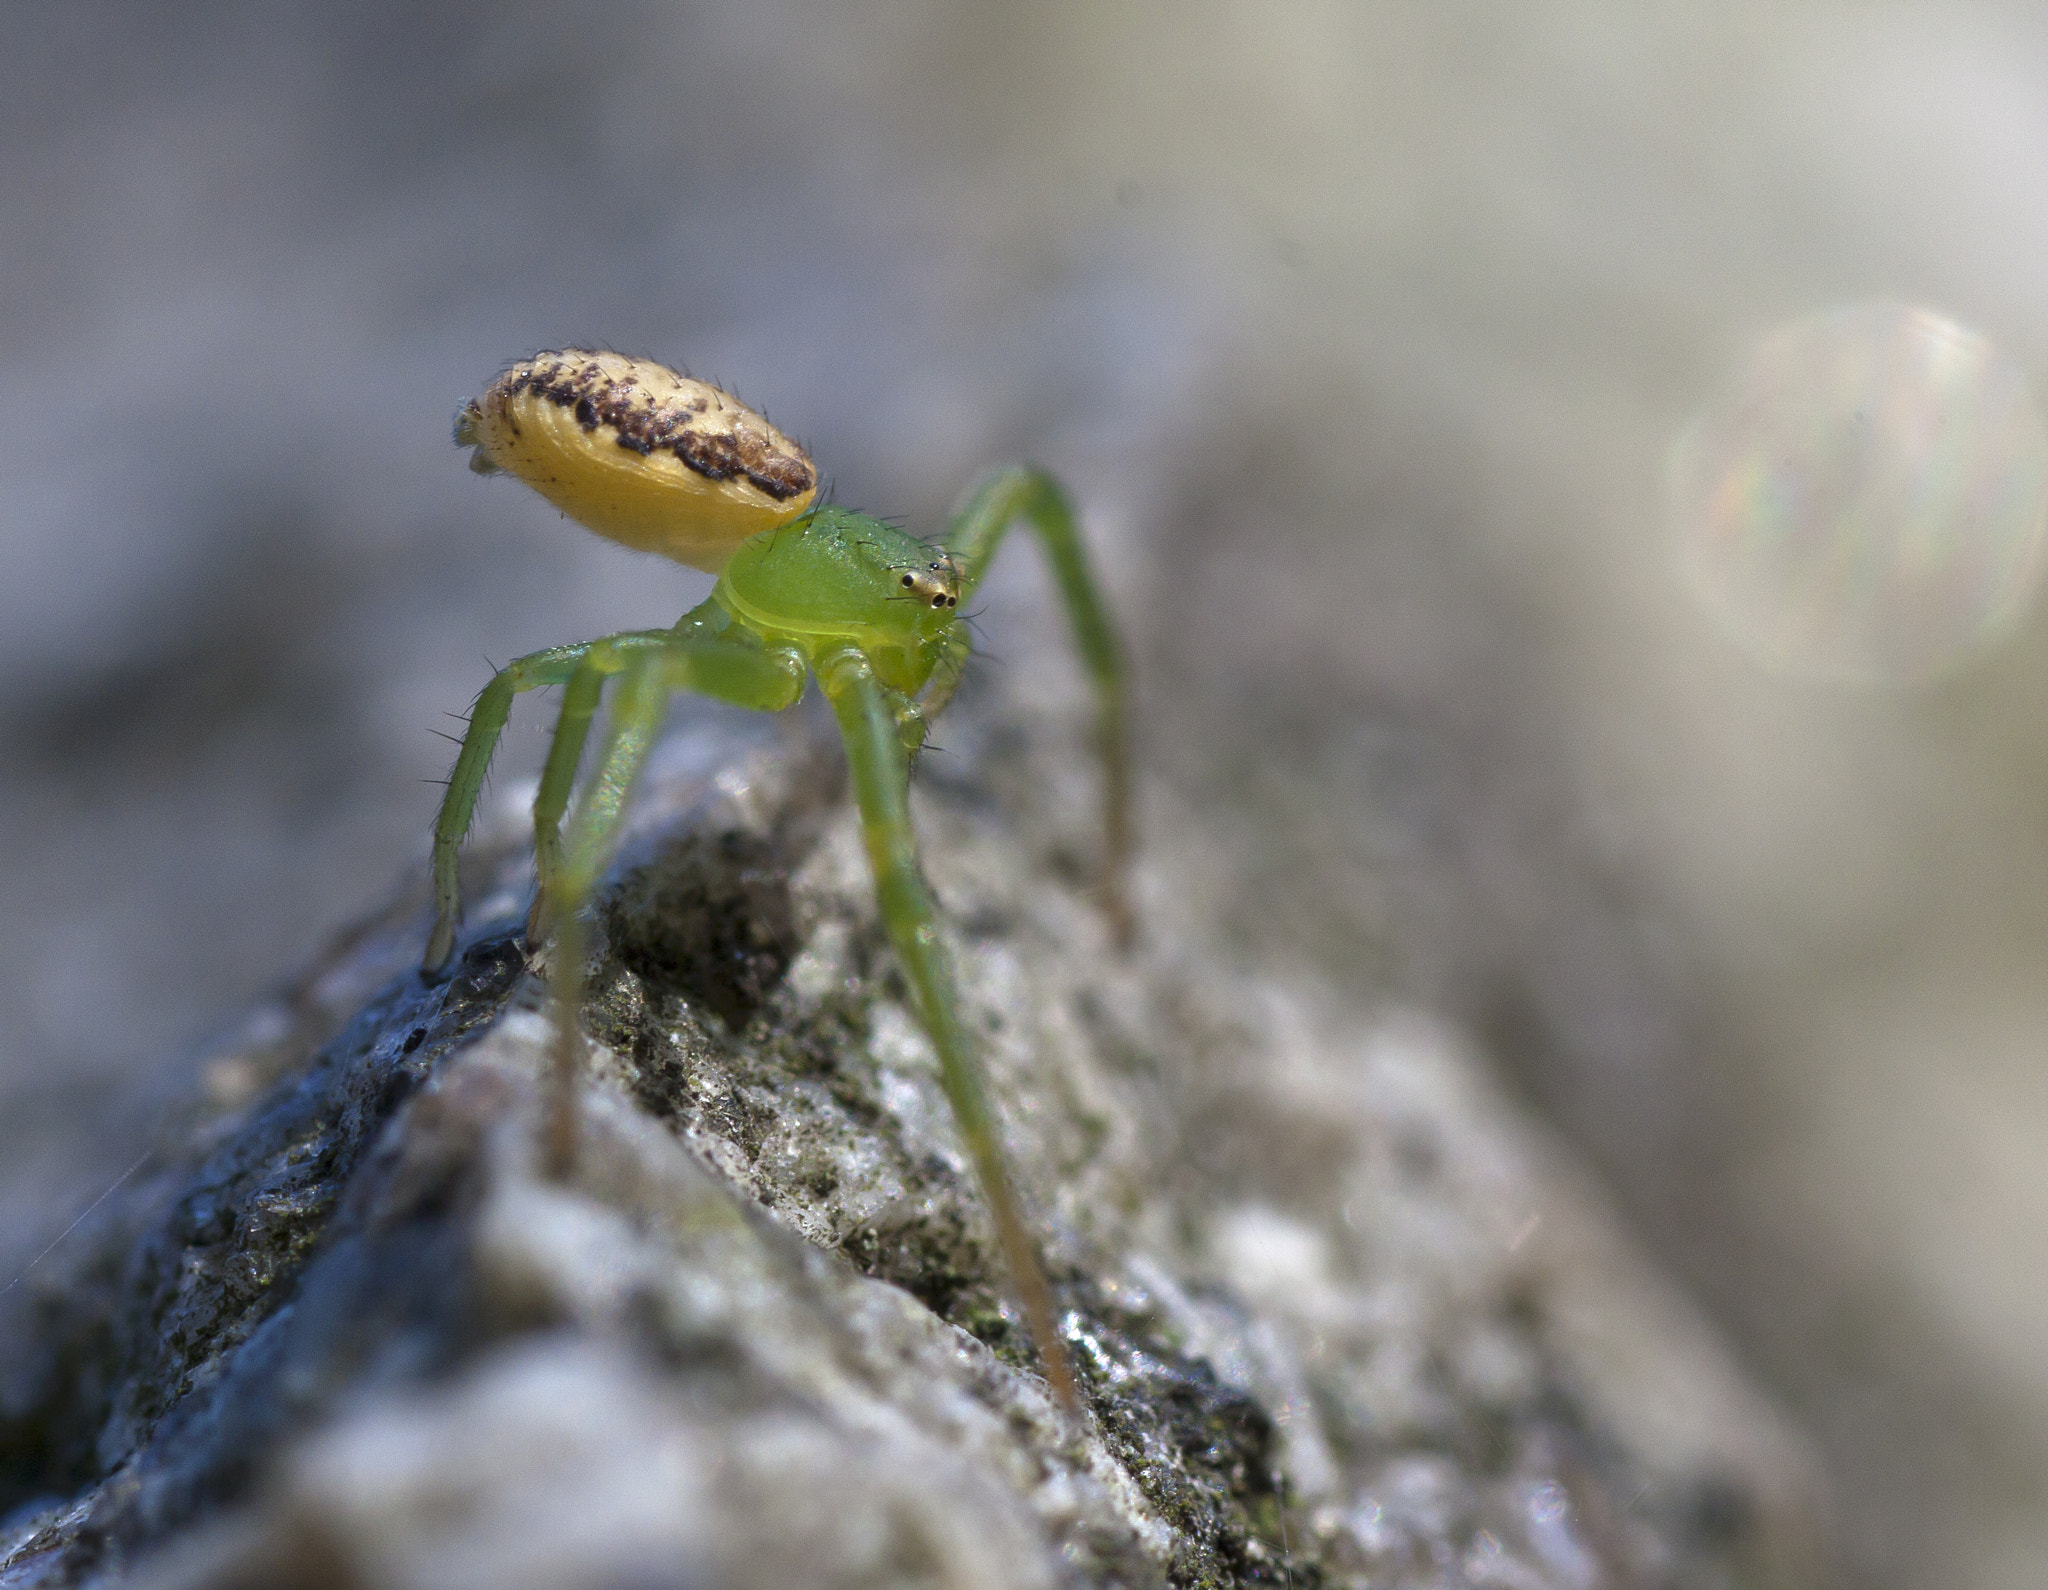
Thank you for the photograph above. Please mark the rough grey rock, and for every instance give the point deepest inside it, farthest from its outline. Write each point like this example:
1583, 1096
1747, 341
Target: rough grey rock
1342, 1314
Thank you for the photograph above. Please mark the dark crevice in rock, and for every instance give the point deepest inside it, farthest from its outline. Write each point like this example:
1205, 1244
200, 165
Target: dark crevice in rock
171, 1363
1202, 1452
710, 919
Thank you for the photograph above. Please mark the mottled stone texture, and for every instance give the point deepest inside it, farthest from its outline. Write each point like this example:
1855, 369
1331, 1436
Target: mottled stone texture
1342, 1315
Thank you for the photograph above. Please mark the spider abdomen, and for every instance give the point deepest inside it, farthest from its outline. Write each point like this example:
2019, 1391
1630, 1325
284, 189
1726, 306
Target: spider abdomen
639, 453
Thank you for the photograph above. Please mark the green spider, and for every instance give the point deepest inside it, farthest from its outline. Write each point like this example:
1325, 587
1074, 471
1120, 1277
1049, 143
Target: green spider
665, 464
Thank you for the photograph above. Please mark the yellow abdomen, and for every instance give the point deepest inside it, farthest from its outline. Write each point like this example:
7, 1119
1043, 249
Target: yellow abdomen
639, 454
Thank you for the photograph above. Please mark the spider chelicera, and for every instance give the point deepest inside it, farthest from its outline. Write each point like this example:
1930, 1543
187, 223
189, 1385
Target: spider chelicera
666, 464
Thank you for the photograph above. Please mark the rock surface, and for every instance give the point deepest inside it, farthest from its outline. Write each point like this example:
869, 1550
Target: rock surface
1343, 1316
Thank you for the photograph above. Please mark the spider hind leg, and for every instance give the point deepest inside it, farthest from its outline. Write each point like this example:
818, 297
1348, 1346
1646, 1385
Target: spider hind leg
767, 679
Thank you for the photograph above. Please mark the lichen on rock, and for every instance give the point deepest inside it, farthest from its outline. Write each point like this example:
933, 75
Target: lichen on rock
1340, 1315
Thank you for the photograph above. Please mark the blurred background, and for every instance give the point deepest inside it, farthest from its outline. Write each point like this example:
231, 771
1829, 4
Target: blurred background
1364, 332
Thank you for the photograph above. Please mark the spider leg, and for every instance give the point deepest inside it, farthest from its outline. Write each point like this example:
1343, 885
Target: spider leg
458, 807
946, 675
565, 755
768, 679
880, 765
976, 530
555, 666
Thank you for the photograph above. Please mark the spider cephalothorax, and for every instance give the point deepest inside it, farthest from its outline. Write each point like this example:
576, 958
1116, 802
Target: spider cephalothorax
666, 464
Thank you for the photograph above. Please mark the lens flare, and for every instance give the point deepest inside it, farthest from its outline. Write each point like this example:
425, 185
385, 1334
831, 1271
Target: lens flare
1867, 499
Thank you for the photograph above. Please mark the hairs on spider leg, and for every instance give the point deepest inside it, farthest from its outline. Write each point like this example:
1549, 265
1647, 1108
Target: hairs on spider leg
993, 658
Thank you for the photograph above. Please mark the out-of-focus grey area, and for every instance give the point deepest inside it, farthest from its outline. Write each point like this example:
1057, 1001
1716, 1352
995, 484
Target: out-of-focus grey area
1363, 334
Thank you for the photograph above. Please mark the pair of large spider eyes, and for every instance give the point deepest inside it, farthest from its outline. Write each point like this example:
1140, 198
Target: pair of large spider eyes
941, 600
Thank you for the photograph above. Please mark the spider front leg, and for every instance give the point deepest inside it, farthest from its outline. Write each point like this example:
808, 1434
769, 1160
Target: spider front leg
976, 531
876, 753
765, 678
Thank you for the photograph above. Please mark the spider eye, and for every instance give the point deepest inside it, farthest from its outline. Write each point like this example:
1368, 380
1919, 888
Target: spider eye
938, 601
908, 581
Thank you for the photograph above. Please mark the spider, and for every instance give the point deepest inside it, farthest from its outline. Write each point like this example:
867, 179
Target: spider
662, 463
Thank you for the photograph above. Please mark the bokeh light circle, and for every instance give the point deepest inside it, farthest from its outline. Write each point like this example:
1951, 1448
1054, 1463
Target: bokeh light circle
1867, 500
